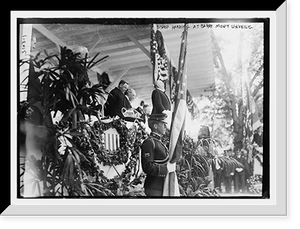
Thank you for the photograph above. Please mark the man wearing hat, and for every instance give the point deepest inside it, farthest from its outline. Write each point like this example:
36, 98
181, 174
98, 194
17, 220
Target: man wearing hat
155, 156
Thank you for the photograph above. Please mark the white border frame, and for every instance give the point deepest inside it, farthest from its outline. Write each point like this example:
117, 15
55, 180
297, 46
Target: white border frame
276, 205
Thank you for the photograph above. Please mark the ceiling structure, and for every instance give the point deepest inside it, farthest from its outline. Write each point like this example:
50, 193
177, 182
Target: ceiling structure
128, 48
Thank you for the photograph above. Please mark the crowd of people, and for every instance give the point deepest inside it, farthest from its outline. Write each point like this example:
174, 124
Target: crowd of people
231, 177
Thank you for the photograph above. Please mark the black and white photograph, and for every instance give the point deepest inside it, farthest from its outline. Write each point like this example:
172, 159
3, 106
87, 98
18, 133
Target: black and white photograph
143, 108
148, 113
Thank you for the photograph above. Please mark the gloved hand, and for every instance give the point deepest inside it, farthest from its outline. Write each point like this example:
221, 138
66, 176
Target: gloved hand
171, 167
239, 169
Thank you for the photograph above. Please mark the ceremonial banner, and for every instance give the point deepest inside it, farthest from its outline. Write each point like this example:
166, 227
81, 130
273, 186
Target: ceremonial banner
178, 119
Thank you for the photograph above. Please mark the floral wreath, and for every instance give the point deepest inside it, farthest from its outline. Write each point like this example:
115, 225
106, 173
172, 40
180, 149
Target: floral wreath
127, 154
111, 157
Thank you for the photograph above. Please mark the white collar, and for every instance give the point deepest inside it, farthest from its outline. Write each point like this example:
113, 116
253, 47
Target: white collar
160, 89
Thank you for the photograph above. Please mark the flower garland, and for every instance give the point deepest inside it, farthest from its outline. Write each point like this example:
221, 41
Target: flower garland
111, 157
137, 136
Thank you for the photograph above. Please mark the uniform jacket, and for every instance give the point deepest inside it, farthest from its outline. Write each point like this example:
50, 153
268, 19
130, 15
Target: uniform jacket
214, 165
160, 102
115, 101
243, 161
228, 169
154, 162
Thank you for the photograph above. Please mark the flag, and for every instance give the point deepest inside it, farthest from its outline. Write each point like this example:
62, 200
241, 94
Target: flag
191, 105
158, 56
178, 119
251, 118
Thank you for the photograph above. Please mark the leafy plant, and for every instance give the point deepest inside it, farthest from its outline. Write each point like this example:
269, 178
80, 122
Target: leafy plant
71, 157
65, 85
65, 88
193, 167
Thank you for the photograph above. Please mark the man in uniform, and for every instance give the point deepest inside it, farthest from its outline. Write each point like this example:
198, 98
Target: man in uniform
228, 172
239, 174
155, 156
